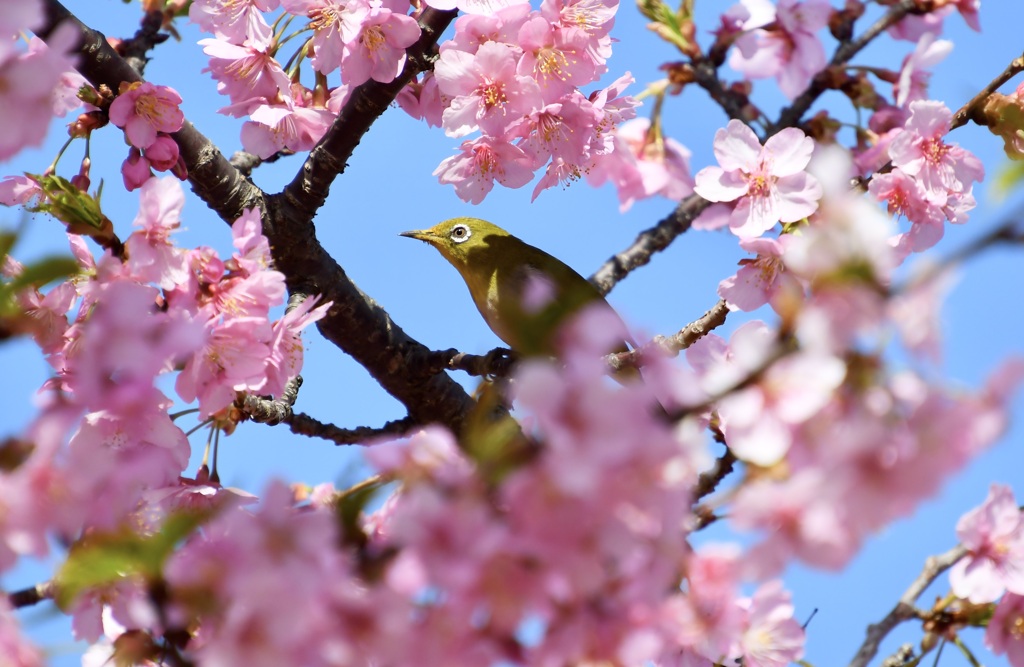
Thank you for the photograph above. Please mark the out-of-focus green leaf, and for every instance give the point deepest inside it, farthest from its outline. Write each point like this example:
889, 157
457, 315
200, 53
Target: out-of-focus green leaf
99, 560
1008, 178
45, 271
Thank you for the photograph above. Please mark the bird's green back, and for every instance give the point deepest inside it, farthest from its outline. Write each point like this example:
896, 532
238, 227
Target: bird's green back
524, 294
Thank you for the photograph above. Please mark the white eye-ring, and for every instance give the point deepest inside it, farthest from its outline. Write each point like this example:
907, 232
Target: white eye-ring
460, 233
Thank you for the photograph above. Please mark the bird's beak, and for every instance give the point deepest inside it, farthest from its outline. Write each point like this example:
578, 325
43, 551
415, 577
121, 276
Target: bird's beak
421, 234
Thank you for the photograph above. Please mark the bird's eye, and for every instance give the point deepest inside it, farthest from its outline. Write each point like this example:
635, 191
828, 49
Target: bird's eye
460, 233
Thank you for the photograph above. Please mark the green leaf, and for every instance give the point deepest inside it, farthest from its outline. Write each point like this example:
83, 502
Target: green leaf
1008, 179
79, 210
100, 560
45, 271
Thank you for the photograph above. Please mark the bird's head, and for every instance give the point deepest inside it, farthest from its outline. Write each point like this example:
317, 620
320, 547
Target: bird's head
458, 238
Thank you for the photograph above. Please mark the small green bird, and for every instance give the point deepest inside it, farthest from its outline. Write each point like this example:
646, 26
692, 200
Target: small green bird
523, 293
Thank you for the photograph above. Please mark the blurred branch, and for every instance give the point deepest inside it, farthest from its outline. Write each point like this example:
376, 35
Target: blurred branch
1010, 232
27, 597
904, 609
710, 479
302, 424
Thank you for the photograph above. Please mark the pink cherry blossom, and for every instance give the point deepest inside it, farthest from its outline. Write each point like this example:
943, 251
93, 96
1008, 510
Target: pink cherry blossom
117, 456
994, 536
151, 255
586, 22
789, 51
135, 170
15, 17
245, 72
920, 151
335, 23
706, 619
233, 359
561, 130
253, 249
143, 109
27, 83
913, 27
642, 166
13, 646
474, 30
285, 360
235, 21
769, 182
553, 58
48, 314
1003, 635
274, 128
772, 638
481, 7
912, 84
378, 52
482, 162
760, 280
486, 92
422, 100
16, 190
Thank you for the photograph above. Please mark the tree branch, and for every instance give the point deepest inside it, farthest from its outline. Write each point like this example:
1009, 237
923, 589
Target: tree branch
303, 424
904, 609
648, 242
846, 50
355, 323
308, 190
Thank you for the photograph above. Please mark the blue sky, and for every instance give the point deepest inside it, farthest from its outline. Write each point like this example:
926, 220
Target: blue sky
388, 188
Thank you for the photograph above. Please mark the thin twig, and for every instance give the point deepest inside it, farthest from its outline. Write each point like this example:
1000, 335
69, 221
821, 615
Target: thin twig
963, 114
904, 609
647, 243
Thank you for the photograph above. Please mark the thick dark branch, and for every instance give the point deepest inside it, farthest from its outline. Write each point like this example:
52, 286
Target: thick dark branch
904, 609
846, 50
136, 49
355, 323
496, 363
706, 75
308, 190
649, 241
212, 178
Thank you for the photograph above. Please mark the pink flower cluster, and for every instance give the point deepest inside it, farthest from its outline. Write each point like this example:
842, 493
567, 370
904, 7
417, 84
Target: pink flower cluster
768, 183
931, 180
363, 39
513, 74
994, 567
104, 447
779, 40
148, 114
